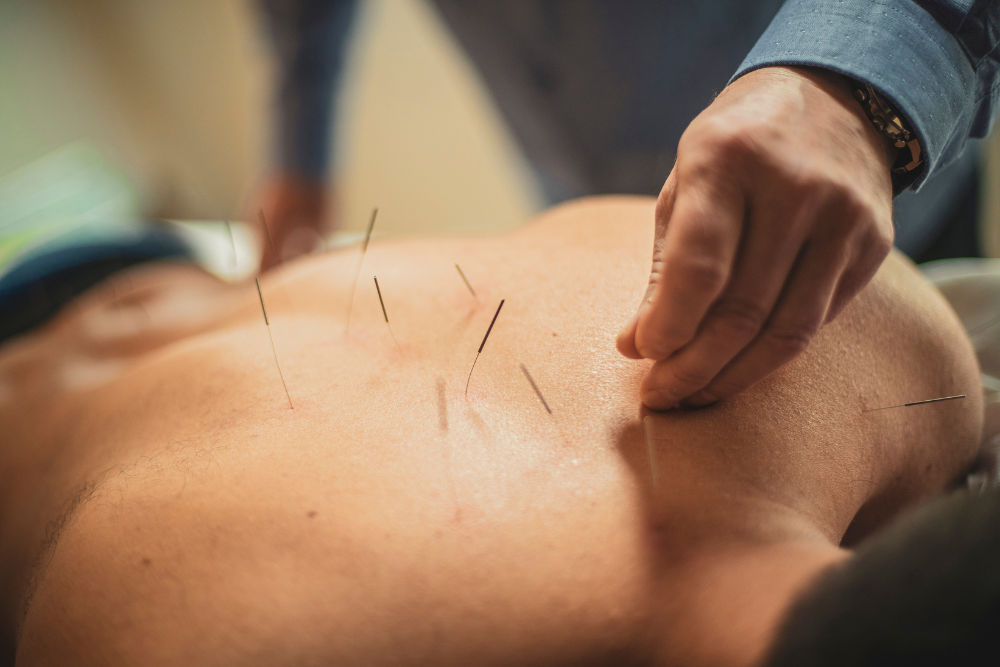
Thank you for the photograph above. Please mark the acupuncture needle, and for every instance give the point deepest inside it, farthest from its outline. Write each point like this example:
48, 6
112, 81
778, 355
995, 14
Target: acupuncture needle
382, 303
274, 253
538, 392
467, 283
907, 405
267, 233
648, 428
354, 285
481, 345
273, 351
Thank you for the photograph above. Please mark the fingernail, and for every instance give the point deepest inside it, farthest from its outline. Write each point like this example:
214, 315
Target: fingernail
699, 400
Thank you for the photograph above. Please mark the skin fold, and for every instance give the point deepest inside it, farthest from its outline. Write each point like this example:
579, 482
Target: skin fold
162, 505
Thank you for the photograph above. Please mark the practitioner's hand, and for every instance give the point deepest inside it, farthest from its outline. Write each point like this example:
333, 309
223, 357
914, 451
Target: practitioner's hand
295, 211
777, 212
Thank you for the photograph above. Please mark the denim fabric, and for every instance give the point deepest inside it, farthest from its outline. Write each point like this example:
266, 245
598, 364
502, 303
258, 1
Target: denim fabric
599, 91
937, 60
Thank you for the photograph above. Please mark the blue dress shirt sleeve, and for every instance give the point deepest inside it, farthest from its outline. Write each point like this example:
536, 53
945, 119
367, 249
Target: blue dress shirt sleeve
309, 40
938, 61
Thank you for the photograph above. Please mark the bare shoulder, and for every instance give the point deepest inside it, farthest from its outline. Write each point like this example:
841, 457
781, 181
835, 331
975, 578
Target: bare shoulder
900, 342
913, 324
598, 221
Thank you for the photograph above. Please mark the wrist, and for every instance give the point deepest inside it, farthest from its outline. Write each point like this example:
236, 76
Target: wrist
891, 125
845, 87
886, 131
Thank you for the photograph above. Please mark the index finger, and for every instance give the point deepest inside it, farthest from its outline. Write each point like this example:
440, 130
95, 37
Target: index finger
694, 264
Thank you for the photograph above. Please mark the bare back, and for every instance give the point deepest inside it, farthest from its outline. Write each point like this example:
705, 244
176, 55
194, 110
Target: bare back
391, 518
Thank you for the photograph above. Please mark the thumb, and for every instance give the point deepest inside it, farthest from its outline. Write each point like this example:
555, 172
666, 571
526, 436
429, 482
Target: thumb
664, 208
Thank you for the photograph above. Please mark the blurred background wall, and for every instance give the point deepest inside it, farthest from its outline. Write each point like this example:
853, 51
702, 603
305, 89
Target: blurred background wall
177, 95
989, 212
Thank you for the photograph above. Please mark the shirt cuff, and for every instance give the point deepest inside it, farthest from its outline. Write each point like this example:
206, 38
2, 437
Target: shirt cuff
893, 45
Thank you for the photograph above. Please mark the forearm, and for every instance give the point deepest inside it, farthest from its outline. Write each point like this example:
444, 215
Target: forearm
933, 60
309, 39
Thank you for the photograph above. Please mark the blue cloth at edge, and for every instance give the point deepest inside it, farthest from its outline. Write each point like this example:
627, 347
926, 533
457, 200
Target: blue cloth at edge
38, 286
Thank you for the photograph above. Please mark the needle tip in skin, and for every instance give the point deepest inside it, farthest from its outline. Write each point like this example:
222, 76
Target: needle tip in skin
911, 404
354, 285
483, 344
271, 338
382, 303
467, 283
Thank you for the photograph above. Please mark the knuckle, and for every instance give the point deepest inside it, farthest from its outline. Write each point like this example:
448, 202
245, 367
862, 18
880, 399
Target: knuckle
724, 388
698, 165
865, 249
657, 340
852, 212
654, 350
881, 241
732, 140
826, 196
664, 207
709, 139
856, 209
806, 180
697, 273
661, 344
687, 379
846, 215
742, 317
704, 236
656, 269
791, 340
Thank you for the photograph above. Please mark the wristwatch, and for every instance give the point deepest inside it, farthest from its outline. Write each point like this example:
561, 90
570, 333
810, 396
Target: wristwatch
896, 130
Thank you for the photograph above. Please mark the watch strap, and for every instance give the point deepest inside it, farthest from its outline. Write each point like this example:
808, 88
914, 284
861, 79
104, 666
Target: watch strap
894, 128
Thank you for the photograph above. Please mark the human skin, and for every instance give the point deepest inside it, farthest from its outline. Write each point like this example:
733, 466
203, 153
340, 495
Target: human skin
389, 518
777, 212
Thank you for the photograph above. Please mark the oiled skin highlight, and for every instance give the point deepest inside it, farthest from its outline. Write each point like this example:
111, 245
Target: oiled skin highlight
391, 519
